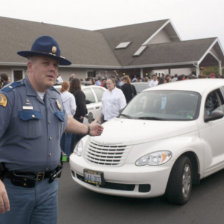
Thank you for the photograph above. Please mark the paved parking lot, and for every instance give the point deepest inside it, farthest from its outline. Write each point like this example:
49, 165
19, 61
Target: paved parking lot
80, 206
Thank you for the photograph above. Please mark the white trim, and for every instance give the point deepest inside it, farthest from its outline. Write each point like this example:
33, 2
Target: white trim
12, 64
154, 34
175, 30
140, 50
208, 51
217, 59
192, 63
220, 46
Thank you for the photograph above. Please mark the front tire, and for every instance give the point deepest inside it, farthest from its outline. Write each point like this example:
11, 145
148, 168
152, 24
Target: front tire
179, 186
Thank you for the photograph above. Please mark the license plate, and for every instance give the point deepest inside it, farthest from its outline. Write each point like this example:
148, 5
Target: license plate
93, 177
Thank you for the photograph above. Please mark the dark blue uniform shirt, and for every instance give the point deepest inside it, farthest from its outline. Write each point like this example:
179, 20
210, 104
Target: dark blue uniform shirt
30, 128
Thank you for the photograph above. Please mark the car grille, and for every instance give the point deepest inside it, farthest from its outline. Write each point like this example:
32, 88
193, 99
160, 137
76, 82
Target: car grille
108, 155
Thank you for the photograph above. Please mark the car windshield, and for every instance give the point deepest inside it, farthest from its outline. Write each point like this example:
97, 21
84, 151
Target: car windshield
163, 105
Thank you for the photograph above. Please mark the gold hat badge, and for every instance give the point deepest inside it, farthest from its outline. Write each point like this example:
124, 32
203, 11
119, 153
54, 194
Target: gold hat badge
54, 49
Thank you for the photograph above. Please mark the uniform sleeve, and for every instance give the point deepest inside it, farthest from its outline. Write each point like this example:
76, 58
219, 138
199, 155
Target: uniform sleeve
6, 105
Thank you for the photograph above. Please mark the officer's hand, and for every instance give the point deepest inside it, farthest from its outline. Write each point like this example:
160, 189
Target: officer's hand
4, 201
95, 128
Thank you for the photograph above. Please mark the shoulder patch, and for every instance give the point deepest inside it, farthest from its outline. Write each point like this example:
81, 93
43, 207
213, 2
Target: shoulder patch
3, 100
12, 86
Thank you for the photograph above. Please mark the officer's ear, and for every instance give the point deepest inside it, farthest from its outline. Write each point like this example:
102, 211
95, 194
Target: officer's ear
29, 64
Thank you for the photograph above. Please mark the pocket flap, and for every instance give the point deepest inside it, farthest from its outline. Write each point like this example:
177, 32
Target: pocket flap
26, 115
60, 115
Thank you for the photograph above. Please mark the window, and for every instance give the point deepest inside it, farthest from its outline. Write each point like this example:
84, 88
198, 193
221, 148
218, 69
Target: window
91, 74
122, 45
17, 75
214, 101
140, 50
89, 96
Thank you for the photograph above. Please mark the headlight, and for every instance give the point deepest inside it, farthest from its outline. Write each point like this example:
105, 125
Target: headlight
78, 148
154, 158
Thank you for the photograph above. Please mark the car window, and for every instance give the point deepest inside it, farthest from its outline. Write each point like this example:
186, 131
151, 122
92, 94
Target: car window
164, 105
89, 95
99, 93
214, 101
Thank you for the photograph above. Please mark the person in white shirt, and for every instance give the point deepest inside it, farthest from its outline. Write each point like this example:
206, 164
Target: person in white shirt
154, 81
69, 104
113, 100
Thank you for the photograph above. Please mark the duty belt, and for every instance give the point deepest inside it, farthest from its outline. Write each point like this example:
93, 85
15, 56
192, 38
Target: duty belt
29, 179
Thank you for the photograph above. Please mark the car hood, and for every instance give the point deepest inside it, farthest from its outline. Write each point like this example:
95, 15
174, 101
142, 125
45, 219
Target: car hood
127, 131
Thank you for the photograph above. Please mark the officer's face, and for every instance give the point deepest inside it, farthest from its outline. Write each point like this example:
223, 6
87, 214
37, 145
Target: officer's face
42, 72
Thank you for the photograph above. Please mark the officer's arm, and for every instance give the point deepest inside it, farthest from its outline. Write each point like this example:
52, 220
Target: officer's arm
4, 201
76, 127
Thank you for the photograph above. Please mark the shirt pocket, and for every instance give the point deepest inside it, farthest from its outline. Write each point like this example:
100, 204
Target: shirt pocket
29, 124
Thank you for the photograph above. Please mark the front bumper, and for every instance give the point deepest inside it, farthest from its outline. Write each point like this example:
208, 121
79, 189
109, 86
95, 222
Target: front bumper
127, 180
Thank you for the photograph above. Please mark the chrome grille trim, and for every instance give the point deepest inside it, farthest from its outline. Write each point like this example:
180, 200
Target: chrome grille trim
108, 155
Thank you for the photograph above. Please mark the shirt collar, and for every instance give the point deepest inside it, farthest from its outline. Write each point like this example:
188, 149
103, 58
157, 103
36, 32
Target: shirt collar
31, 92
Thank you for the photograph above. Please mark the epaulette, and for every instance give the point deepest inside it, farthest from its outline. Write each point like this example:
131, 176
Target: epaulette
12, 86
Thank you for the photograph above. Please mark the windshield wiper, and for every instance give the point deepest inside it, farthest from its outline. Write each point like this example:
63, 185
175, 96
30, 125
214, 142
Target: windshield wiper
150, 118
127, 116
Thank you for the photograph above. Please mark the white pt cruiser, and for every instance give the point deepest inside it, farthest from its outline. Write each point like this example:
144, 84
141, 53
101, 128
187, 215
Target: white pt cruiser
165, 140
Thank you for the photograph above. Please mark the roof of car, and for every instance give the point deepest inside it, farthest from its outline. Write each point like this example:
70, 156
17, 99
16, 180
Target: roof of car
197, 85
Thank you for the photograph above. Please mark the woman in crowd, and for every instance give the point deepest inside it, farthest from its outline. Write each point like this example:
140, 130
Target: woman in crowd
128, 89
81, 110
69, 104
113, 100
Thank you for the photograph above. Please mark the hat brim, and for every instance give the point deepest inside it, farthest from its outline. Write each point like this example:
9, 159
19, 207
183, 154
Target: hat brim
27, 54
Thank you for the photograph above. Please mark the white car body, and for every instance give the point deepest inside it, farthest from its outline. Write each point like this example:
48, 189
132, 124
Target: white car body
128, 140
93, 95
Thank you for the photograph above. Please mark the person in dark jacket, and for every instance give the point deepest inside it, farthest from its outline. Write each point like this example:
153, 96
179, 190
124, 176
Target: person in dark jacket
4, 80
81, 110
128, 89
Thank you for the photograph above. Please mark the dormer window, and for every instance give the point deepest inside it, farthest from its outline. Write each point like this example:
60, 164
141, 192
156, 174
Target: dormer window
140, 50
122, 45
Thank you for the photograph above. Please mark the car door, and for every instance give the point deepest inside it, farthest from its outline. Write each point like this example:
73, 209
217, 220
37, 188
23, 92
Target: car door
98, 91
212, 131
90, 103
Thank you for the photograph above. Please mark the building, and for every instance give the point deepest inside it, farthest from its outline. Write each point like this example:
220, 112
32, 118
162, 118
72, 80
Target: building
138, 49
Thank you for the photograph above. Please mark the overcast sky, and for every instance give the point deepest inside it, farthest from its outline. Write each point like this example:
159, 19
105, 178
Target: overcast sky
192, 19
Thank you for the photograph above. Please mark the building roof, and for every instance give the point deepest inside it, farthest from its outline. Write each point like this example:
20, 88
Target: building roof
184, 52
97, 49
78, 45
136, 34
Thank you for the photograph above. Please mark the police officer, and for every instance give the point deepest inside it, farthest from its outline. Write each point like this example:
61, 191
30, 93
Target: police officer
32, 120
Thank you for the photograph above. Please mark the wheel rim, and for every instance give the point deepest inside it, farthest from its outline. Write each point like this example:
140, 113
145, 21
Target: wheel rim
186, 181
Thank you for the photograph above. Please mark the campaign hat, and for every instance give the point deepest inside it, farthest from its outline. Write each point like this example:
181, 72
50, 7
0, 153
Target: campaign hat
45, 46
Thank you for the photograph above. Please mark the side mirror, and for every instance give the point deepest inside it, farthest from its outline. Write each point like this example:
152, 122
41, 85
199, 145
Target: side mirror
215, 115
88, 102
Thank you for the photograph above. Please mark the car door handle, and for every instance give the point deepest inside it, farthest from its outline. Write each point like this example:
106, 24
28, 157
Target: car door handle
97, 107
